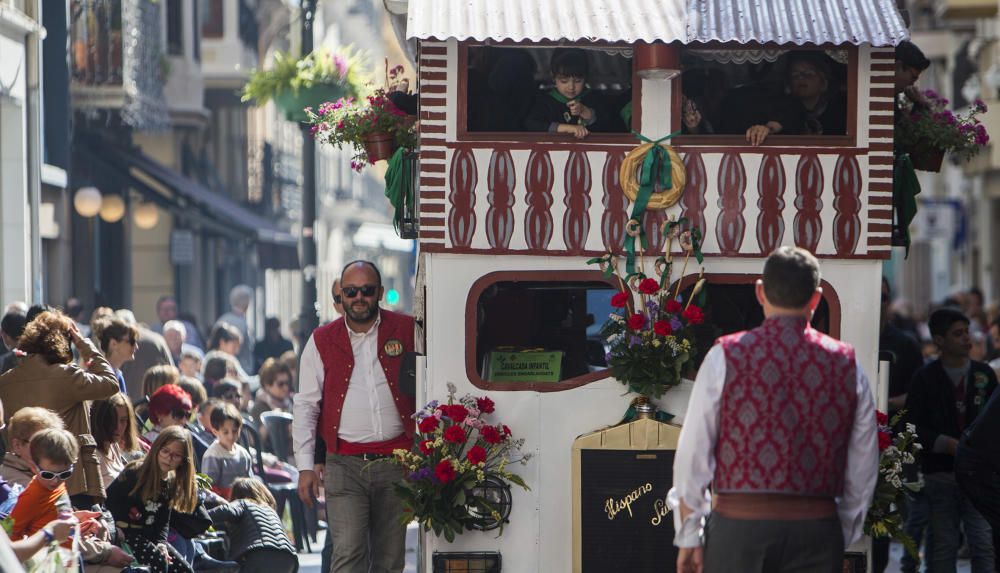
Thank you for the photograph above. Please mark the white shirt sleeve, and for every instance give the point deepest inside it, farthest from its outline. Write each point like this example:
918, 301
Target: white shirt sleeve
306, 406
694, 462
861, 471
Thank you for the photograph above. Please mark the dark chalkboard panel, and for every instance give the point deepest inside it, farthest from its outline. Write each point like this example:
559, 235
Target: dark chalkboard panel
626, 543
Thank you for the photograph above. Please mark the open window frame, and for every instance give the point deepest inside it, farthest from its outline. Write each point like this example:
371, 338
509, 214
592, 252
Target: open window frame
737, 143
464, 135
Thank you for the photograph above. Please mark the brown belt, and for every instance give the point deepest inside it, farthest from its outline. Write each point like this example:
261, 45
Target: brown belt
772, 506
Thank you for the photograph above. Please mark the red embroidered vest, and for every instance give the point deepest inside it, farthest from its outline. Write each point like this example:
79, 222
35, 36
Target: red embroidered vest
787, 411
395, 337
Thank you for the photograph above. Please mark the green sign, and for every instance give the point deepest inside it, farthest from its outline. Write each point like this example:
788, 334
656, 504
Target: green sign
528, 366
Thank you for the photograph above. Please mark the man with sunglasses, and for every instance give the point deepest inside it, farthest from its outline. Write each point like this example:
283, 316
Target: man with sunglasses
349, 384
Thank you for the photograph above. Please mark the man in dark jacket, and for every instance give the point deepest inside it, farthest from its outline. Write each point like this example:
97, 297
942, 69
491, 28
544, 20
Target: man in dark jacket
945, 397
977, 466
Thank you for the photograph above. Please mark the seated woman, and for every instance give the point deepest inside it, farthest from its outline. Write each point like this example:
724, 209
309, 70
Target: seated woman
114, 426
169, 406
275, 389
814, 108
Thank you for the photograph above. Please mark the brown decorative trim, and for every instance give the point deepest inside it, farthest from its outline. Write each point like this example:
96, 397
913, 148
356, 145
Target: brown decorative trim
431, 234
880, 119
880, 200
433, 102
874, 133
879, 228
829, 293
879, 241
433, 208
471, 314
879, 187
432, 76
592, 253
881, 159
881, 106
431, 181
441, 50
880, 173
434, 154
424, 194
883, 67
874, 214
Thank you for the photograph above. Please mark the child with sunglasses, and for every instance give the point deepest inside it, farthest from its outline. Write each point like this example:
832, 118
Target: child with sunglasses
169, 406
54, 453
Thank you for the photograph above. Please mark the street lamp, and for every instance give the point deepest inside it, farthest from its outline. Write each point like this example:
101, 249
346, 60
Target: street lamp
112, 208
146, 216
87, 201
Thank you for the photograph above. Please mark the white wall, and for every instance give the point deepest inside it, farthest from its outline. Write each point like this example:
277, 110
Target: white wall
15, 217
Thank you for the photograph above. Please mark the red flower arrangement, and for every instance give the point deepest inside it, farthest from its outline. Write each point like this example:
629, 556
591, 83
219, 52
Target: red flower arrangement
455, 451
897, 452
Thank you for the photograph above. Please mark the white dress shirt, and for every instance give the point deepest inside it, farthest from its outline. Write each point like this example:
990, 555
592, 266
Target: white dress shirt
369, 412
694, 463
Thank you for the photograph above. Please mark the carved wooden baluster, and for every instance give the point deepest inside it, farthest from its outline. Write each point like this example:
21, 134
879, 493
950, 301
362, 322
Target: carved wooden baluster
538, 180
731, 225
847, 204
771, 188
576, 220
808, 202
693, 200
615, 204
462, 181
501, 179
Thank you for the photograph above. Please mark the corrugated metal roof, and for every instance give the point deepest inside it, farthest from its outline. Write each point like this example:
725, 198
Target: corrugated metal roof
875, 22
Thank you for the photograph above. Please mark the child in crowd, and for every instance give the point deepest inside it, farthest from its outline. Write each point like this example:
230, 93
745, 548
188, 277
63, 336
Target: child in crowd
17, 467
190, 364
226, 460
145, 495
230, 391
53, 452
570, 107
275, 389
112, 422
257, 538
203, 426
195, 389
169, 406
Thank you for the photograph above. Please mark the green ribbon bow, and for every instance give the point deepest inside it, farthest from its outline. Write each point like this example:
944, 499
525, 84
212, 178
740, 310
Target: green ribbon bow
696, 240
398, 189
554, 94
905, 188
609, 269
655, 169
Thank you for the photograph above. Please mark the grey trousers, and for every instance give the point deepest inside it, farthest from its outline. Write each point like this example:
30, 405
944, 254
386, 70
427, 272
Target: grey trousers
363, 512
759, 546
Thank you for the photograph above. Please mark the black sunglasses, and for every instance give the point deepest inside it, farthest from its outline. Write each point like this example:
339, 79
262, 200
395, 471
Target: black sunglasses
351, 292
180, 414
61, 476
337, 299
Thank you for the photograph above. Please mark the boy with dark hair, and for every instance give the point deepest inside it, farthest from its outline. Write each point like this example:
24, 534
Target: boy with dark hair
570, 107
11, 328
225, 459
945, 396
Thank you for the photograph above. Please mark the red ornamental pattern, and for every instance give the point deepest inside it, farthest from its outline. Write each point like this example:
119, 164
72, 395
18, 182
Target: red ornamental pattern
538, 179
501, 179
615, 204
693, 200
652, 223
808, 202
576, 220
771, 189
462, 180
847, 204
731, 225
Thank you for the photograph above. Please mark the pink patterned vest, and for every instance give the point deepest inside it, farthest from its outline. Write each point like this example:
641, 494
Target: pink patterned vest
787, 410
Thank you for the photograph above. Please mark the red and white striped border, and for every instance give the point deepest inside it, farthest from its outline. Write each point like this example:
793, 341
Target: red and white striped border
434, 94
880, 123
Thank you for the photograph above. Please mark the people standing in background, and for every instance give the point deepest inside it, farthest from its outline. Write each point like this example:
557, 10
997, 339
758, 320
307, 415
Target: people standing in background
272, 345
151, 351
175, 334
239, 302
166, 310
11, 327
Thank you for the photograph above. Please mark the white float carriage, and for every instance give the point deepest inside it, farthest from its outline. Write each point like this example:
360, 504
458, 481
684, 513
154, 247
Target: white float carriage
508, 219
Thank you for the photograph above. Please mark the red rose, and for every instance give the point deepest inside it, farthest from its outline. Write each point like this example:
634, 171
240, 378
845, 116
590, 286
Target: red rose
620, 299
444, 472
649, 286
455, 435
490, 435
506, 431
884, 441
637, 321
426, 447
485, 405
662, 328
456, 412
428, 425
476, 454
694, 315
881, 418
673, 307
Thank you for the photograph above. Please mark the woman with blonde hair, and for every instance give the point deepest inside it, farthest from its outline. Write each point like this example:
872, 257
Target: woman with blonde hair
257, 539
145, 495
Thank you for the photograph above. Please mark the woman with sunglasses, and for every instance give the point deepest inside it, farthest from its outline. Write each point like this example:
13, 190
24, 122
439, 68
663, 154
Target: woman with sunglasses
275, 389
118, 341
146, 496
169, 406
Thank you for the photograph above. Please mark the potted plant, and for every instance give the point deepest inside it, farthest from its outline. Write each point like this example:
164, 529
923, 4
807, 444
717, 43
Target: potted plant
456, 466
651, 335
927, 130
299, 83
373, 126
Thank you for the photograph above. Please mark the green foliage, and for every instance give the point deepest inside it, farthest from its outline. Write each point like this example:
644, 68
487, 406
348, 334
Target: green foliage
343, 68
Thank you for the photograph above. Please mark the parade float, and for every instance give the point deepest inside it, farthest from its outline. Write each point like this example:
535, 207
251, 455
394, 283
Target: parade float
507, 306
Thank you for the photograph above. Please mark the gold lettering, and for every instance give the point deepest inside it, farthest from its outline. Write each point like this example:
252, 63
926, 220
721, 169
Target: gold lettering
613, 508
660, 511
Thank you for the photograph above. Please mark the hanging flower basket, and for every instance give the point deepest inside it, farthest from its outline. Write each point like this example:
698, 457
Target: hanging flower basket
294, 103
379, 146
926, 158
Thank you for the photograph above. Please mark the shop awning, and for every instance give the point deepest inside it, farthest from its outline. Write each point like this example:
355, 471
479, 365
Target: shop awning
276, 247
875, 22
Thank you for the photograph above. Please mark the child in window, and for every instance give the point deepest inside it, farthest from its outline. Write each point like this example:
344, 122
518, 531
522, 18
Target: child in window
225, 460
257, 539
569, 107
146, 494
